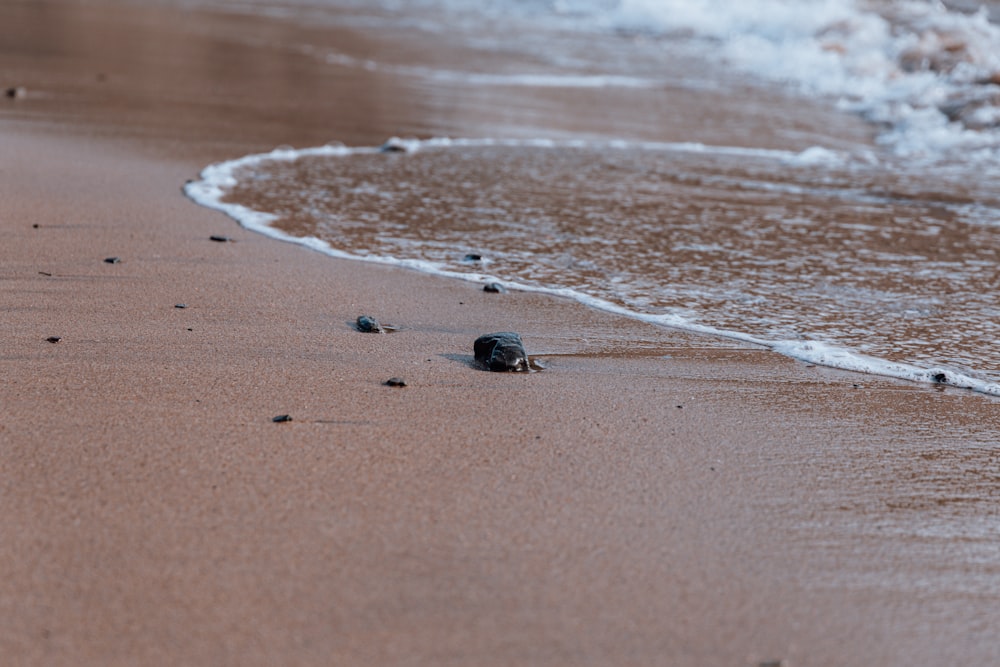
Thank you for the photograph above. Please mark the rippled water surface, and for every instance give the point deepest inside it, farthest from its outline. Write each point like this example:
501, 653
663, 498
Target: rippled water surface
777, 245
880, 257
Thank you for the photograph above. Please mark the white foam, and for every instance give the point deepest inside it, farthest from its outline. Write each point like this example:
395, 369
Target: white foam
904, 64
905, 67
210, 191
915, 68
816, 155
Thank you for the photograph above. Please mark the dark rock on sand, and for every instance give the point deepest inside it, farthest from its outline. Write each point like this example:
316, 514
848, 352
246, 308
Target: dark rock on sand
17, 92
396, 382
494, 288
54, 339
940, 378
472, 257
502, 352
180, 305
394, 145
368, 324
219, 239
112, 260
281, 418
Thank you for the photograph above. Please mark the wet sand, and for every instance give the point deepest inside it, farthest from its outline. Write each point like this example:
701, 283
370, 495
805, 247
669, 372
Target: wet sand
652, 498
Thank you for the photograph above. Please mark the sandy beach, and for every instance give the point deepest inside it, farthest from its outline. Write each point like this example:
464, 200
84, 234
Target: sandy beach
652, 498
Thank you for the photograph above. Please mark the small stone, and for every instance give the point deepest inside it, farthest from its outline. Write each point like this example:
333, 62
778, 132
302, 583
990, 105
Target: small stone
281, 418
494, 288
502, 352
17, 92
395, 382
112, 260
34, 226
394, 145
219, 239
367, 324
54, 339
180, 305
939, 377
472, 257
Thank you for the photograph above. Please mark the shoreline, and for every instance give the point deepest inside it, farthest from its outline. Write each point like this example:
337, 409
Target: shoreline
653, 497
209, 190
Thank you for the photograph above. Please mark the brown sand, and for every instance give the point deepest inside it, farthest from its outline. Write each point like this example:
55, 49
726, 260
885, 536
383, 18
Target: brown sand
653, 498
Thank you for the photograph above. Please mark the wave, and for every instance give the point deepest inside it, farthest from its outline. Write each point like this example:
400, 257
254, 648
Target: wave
926, 75
217, 180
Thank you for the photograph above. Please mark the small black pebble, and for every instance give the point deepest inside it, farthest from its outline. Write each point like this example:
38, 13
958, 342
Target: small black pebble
190, 329
472, 257
281, 418
219, 239
494, 288
17, 92
396, 382
939, 377
394, 145
54, 339
503, 351
112, 260
680, 406
45, 273
35, 226
180, 305
368, 324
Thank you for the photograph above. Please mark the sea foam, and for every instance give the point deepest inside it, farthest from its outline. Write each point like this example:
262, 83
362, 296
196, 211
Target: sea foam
218, 180
927, 75
931, 76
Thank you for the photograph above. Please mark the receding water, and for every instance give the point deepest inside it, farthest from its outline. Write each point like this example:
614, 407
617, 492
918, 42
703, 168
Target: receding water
879, 258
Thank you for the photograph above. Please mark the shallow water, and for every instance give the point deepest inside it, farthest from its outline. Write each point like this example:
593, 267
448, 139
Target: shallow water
877, 258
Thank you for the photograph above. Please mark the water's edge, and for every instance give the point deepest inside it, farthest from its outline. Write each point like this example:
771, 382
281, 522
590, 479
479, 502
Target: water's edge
210, 191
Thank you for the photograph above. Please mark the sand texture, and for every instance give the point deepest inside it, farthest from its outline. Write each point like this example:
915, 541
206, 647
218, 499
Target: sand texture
651, 498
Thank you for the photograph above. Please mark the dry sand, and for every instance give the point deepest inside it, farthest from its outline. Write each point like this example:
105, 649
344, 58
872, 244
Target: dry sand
653, 498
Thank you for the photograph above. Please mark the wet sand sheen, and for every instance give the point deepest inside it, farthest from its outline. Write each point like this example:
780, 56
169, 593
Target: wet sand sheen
152, 512
777, 246
829, 249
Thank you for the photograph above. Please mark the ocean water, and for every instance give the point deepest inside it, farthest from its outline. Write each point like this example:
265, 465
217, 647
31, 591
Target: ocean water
880, 257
